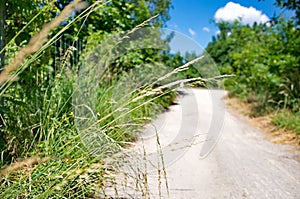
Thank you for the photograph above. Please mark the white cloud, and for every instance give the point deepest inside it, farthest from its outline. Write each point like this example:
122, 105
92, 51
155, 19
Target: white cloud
218, 32
192, 32
206, 29
233, 11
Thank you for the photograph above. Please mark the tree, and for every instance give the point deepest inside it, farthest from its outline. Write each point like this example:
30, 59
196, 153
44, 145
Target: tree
265, 60
293, 5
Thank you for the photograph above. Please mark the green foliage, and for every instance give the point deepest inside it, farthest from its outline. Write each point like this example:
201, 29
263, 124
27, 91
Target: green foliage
288, 120
37, 116
31, 103
19, 15
29, 112
293, 5
266, 61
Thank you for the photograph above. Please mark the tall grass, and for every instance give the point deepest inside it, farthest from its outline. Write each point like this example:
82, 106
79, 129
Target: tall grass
288, 120
46, 149
43, 153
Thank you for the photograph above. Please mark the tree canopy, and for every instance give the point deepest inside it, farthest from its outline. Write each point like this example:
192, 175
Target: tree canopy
265, 60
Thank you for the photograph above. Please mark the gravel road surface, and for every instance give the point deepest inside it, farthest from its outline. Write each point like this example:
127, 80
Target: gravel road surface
201, 149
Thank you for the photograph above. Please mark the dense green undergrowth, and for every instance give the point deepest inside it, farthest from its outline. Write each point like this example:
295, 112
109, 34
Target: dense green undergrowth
68, 166
69, 114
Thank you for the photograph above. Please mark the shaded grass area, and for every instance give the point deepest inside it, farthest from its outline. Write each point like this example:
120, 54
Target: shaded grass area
64, 163
44, 153
47, 148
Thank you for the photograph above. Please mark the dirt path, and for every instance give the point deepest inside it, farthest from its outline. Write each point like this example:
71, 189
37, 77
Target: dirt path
187, 162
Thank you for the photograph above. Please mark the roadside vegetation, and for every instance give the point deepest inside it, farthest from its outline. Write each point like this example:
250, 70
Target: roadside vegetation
80, 79
72, 94
265, 59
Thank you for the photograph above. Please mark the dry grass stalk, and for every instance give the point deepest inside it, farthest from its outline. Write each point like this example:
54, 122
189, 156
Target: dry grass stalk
181, 68
39, 39
20, 165
164, 171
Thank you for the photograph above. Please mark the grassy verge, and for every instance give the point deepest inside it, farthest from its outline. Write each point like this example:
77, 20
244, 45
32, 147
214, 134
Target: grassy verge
287, 120
281, 125
60, 161
43, 152
63, 126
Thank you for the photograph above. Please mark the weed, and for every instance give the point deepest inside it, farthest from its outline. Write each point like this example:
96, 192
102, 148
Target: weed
288, 120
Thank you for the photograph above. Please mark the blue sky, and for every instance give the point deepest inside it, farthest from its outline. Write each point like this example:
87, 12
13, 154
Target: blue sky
192, 19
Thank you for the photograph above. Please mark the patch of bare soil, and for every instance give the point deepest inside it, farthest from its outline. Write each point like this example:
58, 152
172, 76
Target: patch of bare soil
264, 123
